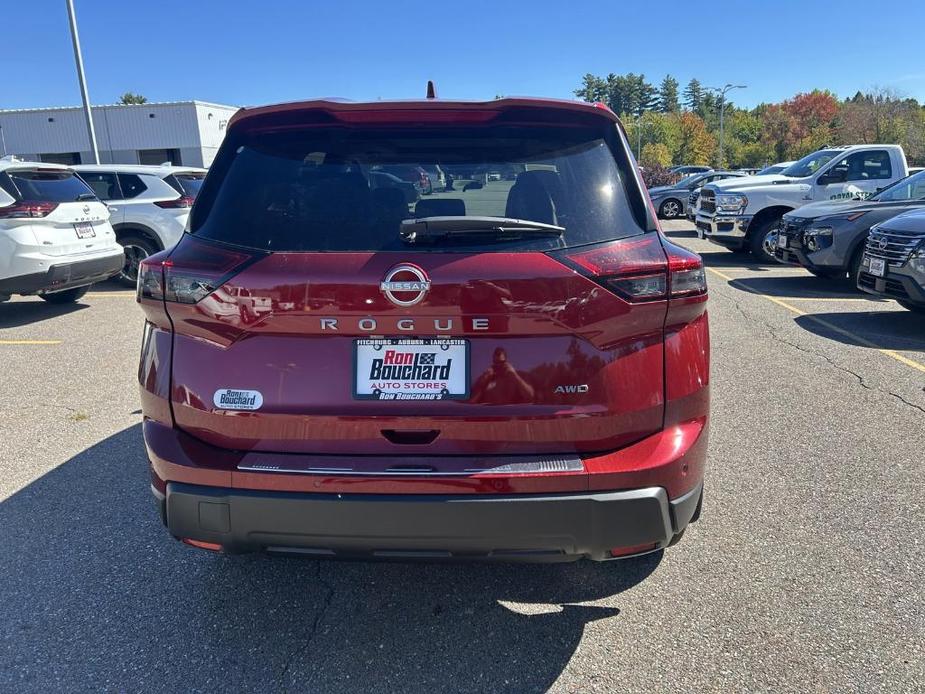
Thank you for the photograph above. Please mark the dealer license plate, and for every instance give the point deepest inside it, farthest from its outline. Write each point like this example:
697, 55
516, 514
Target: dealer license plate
781, 241
84, 230
877, 266
411, 369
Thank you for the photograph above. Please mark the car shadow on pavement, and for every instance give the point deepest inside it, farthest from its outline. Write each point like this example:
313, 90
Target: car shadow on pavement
803, 287
109, 286
96, 596
896, 330
738, 261
16, 314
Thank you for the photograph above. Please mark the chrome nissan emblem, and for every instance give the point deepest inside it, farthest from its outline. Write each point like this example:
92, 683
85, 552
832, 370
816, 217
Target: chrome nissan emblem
882, 243
405, 285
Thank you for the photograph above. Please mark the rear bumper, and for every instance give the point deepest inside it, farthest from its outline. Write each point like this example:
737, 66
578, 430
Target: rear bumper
65, 275
548, 527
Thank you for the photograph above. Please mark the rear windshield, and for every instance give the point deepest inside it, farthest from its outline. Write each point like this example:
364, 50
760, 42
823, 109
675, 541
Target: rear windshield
186, 184
324, 190
46, 186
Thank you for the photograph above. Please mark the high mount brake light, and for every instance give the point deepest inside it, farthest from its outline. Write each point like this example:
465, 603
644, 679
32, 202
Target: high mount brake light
192, 271
27, 209
641, 268
183, 202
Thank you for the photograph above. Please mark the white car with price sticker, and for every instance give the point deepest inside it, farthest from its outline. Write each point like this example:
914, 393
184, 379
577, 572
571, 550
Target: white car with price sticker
55, 235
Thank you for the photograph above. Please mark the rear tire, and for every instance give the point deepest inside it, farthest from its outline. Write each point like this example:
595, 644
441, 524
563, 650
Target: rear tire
68, 296
670, 209
136, 249
909, 306
760, 241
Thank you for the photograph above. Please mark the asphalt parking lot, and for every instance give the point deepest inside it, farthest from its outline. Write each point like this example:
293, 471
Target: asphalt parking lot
804, 573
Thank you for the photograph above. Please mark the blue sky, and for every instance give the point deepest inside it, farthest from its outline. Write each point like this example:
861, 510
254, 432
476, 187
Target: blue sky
260, 52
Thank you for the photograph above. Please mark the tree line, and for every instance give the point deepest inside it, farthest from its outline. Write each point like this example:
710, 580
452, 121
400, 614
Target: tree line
667, 125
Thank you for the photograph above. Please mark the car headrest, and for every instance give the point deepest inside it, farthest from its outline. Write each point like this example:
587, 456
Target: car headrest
388, 198
532, 198
440, 207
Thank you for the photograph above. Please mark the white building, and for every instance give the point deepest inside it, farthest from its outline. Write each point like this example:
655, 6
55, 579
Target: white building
182, 132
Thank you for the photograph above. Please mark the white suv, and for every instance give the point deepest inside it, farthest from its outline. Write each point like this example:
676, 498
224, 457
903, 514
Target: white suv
55, 235
149, 206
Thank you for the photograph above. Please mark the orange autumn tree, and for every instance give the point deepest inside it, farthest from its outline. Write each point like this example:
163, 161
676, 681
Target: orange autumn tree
811, 119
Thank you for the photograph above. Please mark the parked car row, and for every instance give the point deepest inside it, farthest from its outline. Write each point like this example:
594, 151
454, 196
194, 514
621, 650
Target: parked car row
877, 243
744, 214
65, 228
680, 198
855, 212
671, 201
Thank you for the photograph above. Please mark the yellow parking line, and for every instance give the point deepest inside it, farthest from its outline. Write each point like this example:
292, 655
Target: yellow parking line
834, 328
30, 342
103, 295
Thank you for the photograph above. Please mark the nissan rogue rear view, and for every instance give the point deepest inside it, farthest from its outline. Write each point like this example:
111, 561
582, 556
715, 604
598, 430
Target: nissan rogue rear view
513, 367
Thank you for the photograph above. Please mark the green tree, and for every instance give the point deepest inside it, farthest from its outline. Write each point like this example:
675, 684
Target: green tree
593, 89
693, 95
655, 154
668, 95
696, 143
130, 98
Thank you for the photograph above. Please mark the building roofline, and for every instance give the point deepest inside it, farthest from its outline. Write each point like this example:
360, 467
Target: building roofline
45, 109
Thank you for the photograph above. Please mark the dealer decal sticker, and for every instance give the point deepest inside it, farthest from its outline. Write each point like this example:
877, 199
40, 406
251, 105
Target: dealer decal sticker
231, 399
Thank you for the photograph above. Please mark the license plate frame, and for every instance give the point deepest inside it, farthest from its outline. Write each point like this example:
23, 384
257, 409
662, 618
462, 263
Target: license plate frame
457, 379
84, 230
876, 266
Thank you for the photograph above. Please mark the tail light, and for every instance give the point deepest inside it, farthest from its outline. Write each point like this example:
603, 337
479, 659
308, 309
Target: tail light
642, 268
686, 276
184, 201
191, 271
27, 209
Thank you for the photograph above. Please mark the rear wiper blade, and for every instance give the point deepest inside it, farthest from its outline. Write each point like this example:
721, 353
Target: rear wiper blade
85, 196
497, 228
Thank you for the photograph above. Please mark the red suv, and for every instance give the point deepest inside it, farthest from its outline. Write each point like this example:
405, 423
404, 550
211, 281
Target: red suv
511, 369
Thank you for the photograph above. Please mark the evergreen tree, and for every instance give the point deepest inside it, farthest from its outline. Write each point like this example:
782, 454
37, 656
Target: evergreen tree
693, 95
668, 95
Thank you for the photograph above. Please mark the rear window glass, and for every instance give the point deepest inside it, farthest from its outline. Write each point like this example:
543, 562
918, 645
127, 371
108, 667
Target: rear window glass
47, 186
333, 189
186, 184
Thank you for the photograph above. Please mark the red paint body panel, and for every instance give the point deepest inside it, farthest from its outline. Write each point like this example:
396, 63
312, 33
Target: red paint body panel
554, 326
673, 458
577, 357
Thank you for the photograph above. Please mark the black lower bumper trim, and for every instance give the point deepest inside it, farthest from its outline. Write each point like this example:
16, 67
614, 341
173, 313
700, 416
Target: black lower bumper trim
524, 527
64, 276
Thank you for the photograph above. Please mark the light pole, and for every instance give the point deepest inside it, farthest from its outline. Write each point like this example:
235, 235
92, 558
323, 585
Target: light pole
639, 125
722, 91
83, 80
